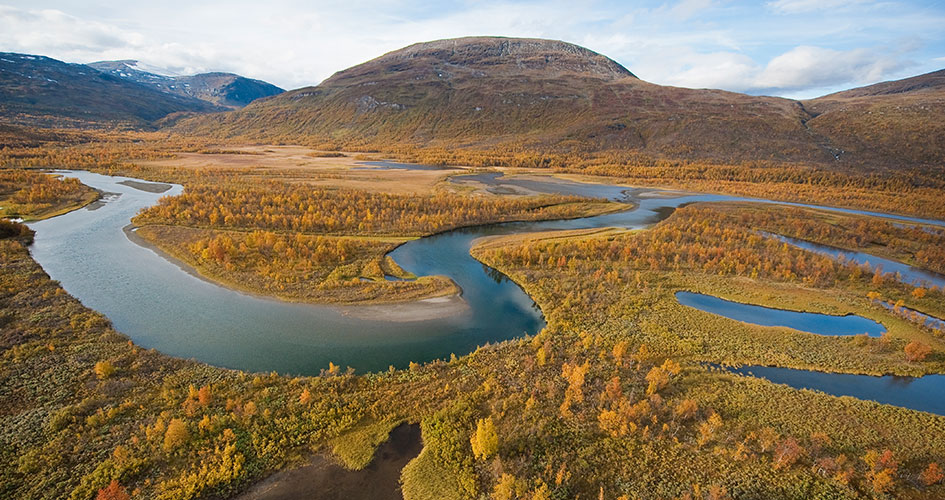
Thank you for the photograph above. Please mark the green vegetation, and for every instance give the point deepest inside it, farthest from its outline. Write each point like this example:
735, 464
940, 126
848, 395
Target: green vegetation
915, 244
345, 269
614, 399
355, 449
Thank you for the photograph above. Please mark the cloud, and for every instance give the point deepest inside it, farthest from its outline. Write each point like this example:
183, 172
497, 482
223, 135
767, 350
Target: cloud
800, 68
816, 67
721, 70
53, 30
803, 6
685, 9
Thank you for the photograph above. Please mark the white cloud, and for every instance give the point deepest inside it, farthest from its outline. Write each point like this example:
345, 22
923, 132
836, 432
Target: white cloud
815, 67
685, 9
53, 30
802, 6
720, 70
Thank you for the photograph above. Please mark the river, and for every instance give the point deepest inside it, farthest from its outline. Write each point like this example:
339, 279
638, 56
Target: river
162, 306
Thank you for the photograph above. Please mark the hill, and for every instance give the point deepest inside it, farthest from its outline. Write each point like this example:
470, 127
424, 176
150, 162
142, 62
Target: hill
41, 91
895, 123
552, 96
222, 89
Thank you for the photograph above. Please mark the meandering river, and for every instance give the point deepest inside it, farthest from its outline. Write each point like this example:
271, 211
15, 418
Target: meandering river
160, 305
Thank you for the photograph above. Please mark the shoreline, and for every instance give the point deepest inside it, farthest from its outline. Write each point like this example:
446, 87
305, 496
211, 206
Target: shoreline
413, 310
425, 309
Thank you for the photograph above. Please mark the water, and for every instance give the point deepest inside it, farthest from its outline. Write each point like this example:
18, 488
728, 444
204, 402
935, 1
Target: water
918, 393
916, 316
496, 183
907, 273
821, 324
159, 305
392, 165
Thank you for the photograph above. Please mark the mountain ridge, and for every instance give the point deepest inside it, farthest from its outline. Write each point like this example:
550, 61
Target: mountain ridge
553, 96
42, 91
216, 87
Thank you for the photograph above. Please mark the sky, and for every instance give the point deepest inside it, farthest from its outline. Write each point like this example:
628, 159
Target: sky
790, 48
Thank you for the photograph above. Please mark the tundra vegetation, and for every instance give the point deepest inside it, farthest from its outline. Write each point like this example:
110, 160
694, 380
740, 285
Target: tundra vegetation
320, 244
613, 399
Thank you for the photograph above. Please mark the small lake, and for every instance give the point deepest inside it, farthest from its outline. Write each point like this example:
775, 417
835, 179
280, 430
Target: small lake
919, 393
821, 324
907, 273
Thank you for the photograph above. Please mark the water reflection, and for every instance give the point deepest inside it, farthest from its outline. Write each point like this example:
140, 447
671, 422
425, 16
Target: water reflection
821, 324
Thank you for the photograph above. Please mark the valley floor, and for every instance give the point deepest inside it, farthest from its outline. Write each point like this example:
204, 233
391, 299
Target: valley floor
617, 398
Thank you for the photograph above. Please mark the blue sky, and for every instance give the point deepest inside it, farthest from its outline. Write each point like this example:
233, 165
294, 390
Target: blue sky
792, 48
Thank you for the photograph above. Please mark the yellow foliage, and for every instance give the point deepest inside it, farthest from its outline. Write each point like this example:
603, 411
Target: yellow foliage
485, 441
175, 435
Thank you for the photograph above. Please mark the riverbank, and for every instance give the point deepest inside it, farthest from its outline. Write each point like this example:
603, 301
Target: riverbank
350, 289
33, 195
612, 277
347, 270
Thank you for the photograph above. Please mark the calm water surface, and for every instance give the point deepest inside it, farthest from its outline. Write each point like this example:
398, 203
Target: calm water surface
919, 393
908, 274
159, 305
821, 324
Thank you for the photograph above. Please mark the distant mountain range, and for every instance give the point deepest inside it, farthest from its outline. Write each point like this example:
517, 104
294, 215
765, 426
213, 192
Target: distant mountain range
496, 93
41, 91
546, 95
223, 89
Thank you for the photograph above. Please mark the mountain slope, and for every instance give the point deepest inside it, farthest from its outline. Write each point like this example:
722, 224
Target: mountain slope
487, 92
223, 89
484, 92
898, 123
37, 90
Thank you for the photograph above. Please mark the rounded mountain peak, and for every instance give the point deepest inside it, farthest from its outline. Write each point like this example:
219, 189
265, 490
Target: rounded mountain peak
489, 56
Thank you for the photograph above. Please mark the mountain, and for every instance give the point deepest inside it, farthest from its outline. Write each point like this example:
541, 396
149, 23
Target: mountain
895, 123
488, 92
40, 91
222, 89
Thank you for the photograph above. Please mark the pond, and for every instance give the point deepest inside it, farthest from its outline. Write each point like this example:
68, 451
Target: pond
821, 324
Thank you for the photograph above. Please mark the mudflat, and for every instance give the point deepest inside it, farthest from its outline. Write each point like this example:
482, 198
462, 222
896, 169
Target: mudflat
150, 187
418, 310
